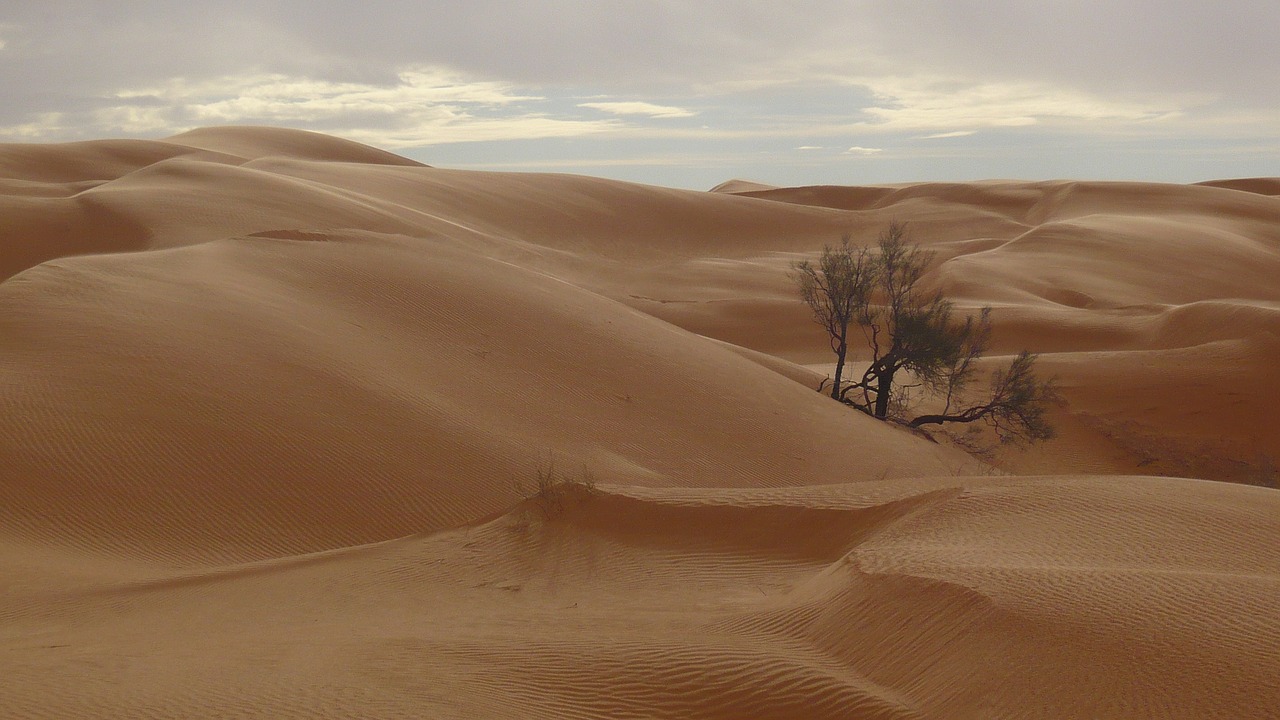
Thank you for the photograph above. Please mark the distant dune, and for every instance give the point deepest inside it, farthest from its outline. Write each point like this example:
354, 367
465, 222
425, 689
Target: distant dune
1262, 186
273, 403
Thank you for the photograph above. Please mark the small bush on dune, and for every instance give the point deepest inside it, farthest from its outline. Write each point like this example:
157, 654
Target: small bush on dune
552, 490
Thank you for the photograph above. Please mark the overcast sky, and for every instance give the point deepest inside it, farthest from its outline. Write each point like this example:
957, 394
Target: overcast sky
678, 92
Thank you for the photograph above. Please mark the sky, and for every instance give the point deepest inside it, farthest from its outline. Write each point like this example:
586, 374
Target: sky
678, 93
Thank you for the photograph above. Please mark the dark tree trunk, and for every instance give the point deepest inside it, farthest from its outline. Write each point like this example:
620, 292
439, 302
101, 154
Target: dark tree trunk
884, 387
841, 351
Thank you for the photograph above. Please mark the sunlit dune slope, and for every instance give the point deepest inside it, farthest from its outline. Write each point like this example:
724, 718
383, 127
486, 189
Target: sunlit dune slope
350, 389
188, 195
273, 405
252, 143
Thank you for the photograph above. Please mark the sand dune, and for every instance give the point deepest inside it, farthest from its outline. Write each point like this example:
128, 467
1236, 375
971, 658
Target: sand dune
1179, 280
1262, 186
273, 402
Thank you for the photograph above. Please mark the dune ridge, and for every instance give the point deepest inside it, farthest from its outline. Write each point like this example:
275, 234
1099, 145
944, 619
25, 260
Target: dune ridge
273, 403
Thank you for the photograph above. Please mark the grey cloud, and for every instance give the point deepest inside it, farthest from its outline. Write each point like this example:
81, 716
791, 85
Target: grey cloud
1165, 46
75, 56
559, 41
1137, 45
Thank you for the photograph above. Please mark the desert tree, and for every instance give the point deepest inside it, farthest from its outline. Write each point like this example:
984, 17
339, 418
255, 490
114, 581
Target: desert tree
838, 290
915, 340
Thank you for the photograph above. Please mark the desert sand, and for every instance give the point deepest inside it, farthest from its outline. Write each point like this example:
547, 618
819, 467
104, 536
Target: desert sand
273, 403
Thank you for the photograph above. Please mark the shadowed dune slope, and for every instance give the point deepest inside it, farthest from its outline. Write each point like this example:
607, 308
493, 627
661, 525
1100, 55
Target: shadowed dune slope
272, 405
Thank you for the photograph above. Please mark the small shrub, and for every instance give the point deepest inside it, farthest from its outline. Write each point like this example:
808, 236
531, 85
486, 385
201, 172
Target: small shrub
552, 489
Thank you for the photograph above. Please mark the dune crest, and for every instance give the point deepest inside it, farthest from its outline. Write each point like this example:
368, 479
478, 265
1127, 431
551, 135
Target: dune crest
256, 143
276, 403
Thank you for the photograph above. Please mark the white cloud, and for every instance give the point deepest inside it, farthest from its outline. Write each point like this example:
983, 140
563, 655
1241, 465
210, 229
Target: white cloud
945, 103
135, 120
639, 108
856, 150
809, 147
469, 129
37, 130
952, 134
281, 97
423, 106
